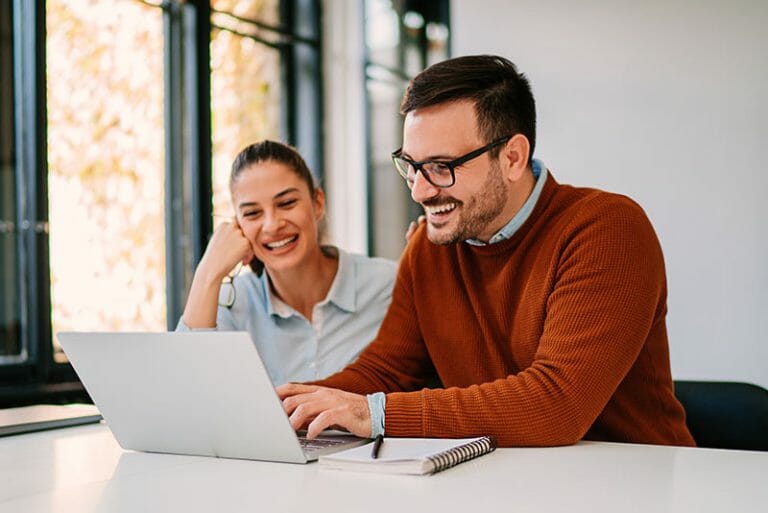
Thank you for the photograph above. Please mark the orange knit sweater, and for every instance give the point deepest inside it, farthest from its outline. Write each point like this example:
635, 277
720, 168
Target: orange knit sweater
554, 335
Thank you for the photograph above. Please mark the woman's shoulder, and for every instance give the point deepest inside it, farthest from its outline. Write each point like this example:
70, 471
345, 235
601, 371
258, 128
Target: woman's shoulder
373, 265
371, 279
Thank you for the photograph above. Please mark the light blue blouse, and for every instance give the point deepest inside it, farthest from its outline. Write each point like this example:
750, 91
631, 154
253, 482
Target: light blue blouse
295, 349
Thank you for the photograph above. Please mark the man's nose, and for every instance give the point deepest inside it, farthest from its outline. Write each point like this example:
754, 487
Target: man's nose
422, 190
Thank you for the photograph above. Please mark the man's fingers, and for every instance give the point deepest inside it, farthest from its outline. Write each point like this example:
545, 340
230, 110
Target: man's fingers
305, 413
318, 408
290, 389
292, 402
323, 421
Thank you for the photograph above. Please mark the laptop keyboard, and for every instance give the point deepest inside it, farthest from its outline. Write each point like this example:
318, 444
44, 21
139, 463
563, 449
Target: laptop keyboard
319, 443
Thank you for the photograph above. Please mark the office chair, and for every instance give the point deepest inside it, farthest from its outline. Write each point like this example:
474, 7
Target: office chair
725, 415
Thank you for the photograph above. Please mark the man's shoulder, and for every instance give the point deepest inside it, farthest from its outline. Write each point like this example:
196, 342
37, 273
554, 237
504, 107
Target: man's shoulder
587, 203
599, 219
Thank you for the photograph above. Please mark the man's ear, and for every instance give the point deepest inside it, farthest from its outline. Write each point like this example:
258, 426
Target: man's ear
514, 157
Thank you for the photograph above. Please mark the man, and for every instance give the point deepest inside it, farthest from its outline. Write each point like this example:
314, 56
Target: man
539, 306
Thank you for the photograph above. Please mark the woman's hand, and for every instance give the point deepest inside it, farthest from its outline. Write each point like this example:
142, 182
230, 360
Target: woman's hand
227, 247
413, 226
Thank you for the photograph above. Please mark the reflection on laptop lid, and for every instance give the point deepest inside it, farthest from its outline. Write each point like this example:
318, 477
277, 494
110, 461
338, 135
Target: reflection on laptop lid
200, 393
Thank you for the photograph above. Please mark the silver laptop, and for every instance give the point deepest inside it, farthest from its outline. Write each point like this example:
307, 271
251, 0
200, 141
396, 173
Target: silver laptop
199, 393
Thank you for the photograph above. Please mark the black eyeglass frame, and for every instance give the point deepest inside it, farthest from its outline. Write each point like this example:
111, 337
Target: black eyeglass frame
451, 165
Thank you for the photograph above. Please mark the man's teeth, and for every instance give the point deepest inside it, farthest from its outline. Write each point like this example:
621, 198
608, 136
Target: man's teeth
440, 209
281, 243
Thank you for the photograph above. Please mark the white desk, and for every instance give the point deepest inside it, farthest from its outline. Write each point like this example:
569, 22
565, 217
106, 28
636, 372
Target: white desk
83, 470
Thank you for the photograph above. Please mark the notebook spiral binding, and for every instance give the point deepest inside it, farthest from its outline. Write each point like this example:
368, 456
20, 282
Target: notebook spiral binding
453, 457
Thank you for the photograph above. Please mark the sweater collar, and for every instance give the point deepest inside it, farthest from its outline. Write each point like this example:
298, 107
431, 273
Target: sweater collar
540, 173
548, 192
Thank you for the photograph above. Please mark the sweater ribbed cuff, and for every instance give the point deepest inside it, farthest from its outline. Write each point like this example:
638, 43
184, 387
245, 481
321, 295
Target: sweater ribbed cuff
405, 414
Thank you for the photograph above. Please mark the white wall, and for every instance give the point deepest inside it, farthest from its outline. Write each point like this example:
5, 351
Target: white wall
664, 101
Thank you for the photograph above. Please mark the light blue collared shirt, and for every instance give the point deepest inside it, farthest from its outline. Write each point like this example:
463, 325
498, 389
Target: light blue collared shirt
508, 230
295, 349
377, 402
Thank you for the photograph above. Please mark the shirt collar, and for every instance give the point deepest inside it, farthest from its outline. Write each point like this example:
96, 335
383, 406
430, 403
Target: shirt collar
275, 305
341, 293
508, 230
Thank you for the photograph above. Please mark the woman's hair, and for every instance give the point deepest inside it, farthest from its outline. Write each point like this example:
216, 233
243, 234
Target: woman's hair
271, 151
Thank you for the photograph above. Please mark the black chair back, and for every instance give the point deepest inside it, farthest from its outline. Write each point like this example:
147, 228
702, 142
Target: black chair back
725, 415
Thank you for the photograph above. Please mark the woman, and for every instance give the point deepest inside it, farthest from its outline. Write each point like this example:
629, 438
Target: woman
310, 309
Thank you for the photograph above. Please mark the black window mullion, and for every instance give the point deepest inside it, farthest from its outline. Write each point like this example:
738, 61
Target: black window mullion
11, 350
287, 78
188, 188
37, 377
198, 67
32, 174
175, 244
307, 93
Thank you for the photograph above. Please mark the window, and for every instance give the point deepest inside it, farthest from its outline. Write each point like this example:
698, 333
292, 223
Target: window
253, 45
118, 122
11, 348
105, 166
246, 109
401, 39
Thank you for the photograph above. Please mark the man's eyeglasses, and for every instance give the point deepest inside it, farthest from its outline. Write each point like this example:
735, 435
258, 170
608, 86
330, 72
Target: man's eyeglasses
439, 174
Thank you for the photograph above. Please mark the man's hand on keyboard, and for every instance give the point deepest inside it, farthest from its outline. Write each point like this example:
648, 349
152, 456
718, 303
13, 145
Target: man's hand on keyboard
319, 408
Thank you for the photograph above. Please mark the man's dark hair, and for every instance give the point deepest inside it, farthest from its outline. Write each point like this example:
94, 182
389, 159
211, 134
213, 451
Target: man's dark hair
504, 104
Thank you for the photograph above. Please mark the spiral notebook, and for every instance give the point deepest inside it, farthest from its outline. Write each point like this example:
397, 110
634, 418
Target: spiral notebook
417, 456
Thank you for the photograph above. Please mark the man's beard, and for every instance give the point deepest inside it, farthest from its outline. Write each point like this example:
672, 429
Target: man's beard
476, 213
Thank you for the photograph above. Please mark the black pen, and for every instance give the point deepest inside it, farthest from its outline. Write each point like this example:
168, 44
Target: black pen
377, 446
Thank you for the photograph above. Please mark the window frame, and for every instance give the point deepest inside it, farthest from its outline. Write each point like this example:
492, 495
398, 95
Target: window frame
398, 76
188, 150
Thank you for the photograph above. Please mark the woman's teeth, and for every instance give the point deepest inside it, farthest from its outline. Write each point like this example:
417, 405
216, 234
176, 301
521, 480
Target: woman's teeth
281, 243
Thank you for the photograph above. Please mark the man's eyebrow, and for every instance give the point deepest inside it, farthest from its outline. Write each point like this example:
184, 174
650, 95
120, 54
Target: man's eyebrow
247, 204
429, 158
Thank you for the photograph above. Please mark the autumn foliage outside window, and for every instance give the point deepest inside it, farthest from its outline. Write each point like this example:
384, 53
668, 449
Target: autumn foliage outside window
106, 150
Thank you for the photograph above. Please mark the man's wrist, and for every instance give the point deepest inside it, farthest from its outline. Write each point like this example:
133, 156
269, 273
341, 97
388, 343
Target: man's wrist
377, 406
